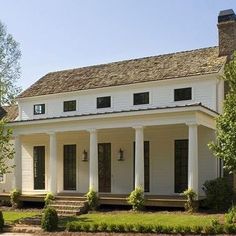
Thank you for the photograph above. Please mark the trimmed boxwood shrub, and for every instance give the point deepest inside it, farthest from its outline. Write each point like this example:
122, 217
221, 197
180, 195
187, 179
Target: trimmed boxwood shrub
49, 219
136, 199
219, 195
15, 198
214, 228
92, 199
1, 221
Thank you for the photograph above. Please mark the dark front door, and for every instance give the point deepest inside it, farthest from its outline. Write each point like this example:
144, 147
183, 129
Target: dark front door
146, 166
39, 167
104, 167
181, 165
70, 167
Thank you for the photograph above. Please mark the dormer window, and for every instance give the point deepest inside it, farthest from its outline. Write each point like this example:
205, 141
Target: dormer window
104, 102
183, 94
39, 109
69, 106
141, 98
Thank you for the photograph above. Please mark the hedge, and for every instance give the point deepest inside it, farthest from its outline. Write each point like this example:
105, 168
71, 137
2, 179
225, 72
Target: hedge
148, 228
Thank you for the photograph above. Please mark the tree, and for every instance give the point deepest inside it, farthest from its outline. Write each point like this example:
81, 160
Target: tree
225, 145
6, 148
9, 67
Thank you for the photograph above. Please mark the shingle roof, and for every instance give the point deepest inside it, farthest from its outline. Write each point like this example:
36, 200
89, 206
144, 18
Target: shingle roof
168, 66
10, 113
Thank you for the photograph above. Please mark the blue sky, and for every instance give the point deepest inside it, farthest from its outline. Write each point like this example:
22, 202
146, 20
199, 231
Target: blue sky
63, 34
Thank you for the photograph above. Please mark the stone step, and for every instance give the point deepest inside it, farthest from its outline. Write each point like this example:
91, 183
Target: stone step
63, 202
68, 212
69, 208
66, 207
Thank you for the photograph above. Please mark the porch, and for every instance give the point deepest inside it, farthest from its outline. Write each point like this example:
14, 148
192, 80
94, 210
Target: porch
162, 153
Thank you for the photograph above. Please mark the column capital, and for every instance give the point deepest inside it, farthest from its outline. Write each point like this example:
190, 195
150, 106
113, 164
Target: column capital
192, 124
136, 127
51, 133
92, 130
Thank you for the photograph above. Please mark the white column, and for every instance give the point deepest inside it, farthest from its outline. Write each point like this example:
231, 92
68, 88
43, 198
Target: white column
52, 174
93, 161
139, 157
18, 165
193, 157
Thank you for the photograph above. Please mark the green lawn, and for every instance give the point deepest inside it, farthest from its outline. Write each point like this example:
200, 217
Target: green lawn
11, 216
171, 219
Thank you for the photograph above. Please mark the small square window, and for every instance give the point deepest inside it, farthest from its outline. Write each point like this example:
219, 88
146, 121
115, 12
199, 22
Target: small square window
2, 178
103, 102
70, 105
39, 109
141, 98
183, 94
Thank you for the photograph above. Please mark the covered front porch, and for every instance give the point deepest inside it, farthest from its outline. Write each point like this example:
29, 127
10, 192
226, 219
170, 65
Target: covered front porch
162, 153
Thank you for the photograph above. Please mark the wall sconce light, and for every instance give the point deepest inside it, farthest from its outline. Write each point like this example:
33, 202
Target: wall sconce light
84, 156
120, 155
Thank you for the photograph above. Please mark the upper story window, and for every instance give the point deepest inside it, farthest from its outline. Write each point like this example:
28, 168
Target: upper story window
141, 98
183, 94
103, 102
39, 109
69, 106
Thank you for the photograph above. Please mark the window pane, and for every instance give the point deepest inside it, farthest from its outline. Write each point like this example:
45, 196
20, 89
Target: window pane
183, 94
103, 102
70, 105
141, 98
39, 109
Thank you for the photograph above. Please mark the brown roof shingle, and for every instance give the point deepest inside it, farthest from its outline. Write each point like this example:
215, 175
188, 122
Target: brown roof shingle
175, 65
10, 113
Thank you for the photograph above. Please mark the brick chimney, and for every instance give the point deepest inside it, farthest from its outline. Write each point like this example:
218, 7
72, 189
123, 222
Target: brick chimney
227, 32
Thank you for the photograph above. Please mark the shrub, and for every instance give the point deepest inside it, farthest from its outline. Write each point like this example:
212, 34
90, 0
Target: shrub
48, 199
136, 199
218, 194
1, 221
15, 198
102, 227
197, 229
92, 199
49, 219
230, 217
190, 205
229, 229
94, 227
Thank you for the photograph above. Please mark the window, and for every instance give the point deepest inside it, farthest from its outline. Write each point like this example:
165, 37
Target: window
141, 98
39, 109
70, 105
183, 94
2, 178
103, 102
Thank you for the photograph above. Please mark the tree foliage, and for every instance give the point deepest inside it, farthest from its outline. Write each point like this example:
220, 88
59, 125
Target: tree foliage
225, 145
6, 148
9, 67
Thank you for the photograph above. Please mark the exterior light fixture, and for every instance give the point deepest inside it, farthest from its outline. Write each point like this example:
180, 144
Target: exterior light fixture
84, 156
120, 155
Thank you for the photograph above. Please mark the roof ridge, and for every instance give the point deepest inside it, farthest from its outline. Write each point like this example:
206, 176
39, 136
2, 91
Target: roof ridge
129, 60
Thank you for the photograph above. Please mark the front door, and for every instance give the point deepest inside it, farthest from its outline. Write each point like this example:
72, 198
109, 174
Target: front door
104, 167
39, 167
70, 167
181, 165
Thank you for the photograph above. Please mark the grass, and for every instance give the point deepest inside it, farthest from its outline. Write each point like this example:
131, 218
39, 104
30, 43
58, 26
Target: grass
167, 219
11, 216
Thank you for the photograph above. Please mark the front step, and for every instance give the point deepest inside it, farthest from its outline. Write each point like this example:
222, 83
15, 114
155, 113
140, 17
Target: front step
69, 207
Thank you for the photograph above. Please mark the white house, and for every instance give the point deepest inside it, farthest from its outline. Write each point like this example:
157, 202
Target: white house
113, 127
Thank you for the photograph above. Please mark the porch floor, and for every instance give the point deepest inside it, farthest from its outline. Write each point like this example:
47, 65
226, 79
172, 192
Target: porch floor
107, 199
